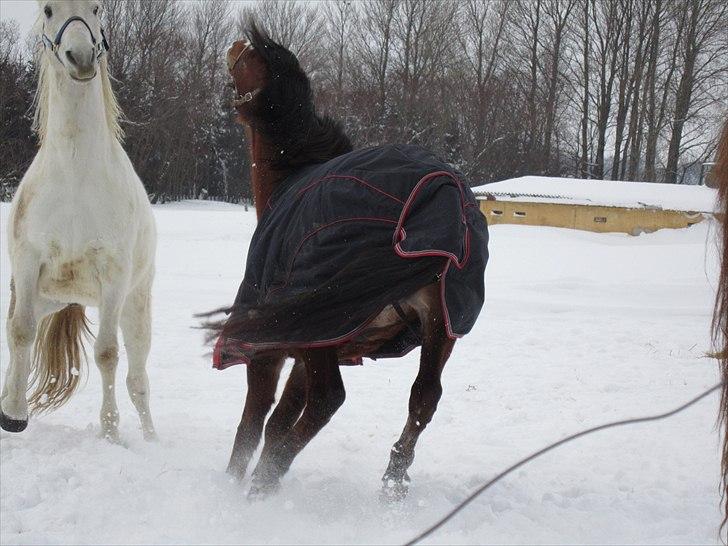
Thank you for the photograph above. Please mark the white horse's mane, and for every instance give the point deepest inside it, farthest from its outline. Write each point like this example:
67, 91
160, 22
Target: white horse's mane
42, 94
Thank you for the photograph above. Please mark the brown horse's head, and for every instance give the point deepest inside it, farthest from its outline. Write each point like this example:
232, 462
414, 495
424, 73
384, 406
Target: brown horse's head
272, 90
273, 97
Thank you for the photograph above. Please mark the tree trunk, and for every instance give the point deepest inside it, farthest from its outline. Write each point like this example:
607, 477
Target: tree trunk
584, 170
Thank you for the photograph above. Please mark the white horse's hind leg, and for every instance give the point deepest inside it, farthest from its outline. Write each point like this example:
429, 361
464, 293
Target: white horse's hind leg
136, 325
106, 353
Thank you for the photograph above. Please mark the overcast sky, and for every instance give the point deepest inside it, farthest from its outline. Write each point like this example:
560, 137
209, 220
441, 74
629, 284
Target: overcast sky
23, 11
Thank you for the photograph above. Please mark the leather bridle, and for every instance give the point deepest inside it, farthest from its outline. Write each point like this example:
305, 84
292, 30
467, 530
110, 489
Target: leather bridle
241, 99
99, 47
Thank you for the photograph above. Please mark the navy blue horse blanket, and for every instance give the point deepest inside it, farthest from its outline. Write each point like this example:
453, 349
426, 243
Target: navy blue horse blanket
342, 240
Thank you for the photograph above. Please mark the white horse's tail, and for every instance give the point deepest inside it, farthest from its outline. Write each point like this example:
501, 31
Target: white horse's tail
57, 358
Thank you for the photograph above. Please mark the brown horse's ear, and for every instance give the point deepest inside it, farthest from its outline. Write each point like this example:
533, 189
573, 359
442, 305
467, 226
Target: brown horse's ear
256, 35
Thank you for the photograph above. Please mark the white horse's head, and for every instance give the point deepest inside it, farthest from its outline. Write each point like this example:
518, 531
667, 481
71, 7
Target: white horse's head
72, 36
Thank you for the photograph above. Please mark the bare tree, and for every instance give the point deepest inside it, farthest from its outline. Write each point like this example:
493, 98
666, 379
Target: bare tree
704, 20
17, 144
584, 160
374, 44
422, 29
668, 26
527, 27
208, 38
296, 25
482, 28
338, 17
609, 24
648, 13
557, 18
625, 78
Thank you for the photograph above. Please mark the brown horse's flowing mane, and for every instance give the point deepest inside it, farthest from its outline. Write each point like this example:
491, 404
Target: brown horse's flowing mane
720, 314
284, 111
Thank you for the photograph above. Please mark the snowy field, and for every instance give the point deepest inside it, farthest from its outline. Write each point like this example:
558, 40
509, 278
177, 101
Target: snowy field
578, 329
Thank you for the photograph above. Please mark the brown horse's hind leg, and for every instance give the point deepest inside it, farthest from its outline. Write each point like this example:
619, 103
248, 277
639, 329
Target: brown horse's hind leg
425, 394
325, 394
290, 406
262, 382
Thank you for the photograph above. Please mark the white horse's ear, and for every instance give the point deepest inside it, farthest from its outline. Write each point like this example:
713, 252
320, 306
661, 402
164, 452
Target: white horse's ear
40, 17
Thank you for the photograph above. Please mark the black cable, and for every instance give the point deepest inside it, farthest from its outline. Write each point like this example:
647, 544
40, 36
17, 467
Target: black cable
540, 452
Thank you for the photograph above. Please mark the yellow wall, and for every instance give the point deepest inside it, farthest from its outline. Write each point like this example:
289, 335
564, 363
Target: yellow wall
586, 217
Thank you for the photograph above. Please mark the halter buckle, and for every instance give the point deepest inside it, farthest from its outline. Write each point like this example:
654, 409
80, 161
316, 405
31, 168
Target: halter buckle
247, 97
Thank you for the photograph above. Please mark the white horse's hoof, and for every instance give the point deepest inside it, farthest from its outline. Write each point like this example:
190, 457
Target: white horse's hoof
111, 436
12, 425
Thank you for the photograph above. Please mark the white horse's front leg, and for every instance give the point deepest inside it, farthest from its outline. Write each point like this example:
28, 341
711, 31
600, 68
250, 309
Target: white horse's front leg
136, 325
21, 329
106, 354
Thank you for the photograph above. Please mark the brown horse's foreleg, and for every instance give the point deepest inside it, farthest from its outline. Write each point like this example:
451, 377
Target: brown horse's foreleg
289, 407
325, 394
425, 394
262, 382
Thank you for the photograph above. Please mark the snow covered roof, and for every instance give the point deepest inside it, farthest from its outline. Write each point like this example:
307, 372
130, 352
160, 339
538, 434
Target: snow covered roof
610, 193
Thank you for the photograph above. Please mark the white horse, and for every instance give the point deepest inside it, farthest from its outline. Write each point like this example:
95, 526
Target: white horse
80, 233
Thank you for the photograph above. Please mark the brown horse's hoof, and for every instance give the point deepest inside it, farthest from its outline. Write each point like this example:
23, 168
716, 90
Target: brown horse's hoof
263, 490
12, 425
394, 490
236, 472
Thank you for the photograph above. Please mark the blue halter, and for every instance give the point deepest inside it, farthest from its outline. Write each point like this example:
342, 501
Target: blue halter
99, 47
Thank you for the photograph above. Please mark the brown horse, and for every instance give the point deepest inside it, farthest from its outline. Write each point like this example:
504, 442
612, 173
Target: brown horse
285, 135
720, 315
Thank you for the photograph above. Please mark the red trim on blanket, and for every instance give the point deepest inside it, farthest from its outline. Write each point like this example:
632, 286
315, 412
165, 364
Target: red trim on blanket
349, 177
217, 356
242, 359
400, 234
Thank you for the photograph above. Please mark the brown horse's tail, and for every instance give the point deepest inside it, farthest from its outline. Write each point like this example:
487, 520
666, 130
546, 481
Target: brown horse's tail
720, 314
58, 356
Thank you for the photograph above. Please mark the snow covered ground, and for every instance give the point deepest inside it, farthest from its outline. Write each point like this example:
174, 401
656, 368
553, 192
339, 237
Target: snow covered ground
578, 329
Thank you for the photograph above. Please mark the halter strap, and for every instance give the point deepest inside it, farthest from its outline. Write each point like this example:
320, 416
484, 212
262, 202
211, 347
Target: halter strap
99, 47
241, 99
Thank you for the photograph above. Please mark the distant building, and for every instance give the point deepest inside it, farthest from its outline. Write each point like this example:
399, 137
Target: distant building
595, 205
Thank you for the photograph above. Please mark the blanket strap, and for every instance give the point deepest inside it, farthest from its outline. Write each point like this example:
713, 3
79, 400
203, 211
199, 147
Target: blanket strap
402, 315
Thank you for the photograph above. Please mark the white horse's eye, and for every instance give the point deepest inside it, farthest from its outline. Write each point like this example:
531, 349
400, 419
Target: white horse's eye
96, 10
48, 11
